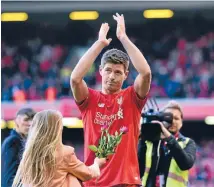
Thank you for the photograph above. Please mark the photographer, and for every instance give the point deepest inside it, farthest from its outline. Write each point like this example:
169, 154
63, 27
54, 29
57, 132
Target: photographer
165, 162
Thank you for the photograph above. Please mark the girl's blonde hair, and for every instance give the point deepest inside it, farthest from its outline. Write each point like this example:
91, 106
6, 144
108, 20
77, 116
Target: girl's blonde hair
38, 161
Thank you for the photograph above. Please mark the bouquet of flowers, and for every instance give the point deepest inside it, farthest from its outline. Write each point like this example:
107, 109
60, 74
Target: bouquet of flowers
108, 142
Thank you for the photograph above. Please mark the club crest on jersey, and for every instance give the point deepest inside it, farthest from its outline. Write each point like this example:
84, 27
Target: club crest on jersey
101, 105
120, 100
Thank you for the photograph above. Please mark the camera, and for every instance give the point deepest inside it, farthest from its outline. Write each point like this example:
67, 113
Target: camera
152, 131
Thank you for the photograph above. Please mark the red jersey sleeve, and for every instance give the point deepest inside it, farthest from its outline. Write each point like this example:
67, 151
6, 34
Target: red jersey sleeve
137, 100
92, 98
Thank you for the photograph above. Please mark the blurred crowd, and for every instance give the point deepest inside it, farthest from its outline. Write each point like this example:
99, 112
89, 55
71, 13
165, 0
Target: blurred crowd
202, 174
32, 71
37, 63
188, 71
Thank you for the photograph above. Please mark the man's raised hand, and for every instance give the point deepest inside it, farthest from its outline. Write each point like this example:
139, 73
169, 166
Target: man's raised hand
103, 34
121, 29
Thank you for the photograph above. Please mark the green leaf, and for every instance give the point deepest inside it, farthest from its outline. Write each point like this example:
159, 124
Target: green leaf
100, 150
110, 140
104, 142
101, 142
92, 148
119, 140
109, 137
104, 139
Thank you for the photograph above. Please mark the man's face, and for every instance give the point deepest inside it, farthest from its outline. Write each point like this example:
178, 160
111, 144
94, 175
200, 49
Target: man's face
113, 76
23, 124
177, 120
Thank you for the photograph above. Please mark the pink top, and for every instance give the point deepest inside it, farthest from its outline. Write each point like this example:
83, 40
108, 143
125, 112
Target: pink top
70, 171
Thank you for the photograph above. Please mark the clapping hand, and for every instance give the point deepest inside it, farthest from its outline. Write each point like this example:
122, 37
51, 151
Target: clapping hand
103, 34
121, 30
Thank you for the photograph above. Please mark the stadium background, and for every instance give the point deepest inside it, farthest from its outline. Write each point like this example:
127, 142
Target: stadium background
40, 48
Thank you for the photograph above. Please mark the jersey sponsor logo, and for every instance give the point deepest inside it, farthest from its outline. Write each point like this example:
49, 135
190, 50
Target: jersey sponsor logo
109, 119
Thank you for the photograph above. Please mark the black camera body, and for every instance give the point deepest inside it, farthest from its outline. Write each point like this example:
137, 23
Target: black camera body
152, 131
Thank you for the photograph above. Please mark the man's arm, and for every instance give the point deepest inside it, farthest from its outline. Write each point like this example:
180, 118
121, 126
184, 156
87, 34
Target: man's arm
78, 85
143, 80
185, 158
80, 170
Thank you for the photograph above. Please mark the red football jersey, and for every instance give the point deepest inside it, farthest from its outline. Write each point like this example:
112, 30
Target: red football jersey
117, 110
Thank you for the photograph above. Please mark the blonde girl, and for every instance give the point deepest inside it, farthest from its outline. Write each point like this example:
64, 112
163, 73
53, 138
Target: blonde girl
46, 162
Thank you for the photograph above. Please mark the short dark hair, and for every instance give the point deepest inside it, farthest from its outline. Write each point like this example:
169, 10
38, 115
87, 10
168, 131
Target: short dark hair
115, 56
29, 112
